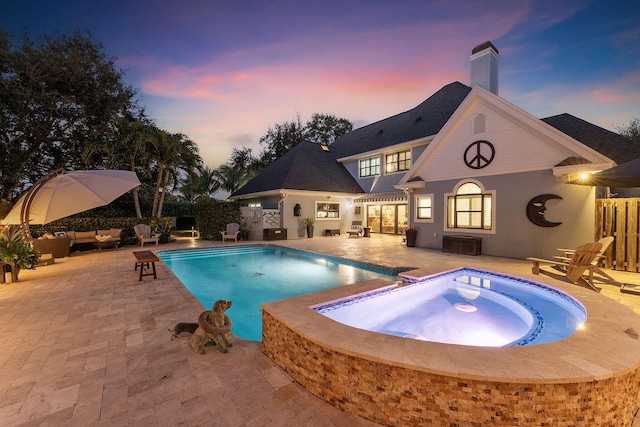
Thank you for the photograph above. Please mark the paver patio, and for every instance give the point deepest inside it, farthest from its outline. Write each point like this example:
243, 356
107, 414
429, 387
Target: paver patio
85, 343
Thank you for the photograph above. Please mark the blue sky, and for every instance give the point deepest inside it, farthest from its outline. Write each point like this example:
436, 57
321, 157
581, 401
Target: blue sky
222, 72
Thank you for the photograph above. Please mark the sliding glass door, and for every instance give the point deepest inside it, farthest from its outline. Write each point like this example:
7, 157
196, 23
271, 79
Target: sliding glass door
388, 219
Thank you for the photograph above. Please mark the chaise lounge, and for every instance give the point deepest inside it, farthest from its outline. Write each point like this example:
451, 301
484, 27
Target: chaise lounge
356, 229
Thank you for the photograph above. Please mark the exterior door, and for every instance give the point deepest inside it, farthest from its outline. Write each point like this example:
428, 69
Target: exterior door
373, 218
403, 218
389, 219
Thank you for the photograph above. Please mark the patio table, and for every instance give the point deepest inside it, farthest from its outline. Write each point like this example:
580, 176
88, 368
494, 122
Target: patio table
143, 259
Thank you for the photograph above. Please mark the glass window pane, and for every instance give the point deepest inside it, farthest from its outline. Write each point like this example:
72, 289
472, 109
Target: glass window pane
463, 204
476, 203
476, 219
451, 212
469, 188
463, 219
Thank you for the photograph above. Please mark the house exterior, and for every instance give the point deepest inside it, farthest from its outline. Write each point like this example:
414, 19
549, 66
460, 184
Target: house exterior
464, 163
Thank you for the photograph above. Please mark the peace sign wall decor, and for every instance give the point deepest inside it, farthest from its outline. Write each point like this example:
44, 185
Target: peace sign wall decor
479, 154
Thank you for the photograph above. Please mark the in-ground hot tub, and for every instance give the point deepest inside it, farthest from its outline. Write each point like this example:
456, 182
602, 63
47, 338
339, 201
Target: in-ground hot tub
464, 306
591, 377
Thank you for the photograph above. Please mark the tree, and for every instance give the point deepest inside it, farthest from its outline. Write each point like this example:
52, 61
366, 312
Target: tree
199, 184
128, 150
60, 94
281, 138
632, 130
171, 154
325, 128
321, 129
241, 167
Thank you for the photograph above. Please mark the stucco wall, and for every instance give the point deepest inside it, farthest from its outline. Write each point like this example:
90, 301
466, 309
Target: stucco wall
515, 236
295, 225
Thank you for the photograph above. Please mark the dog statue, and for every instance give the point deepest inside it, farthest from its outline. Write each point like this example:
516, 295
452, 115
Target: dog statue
213, 325
182, 327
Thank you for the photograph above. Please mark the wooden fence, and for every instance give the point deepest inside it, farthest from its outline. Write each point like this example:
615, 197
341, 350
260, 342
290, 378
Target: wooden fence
619, 218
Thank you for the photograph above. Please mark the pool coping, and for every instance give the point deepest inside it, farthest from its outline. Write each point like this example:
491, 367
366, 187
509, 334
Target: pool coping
599, 351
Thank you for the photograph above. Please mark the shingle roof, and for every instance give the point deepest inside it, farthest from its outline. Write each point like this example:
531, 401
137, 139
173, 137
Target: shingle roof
424, 120
618, 148
305, 167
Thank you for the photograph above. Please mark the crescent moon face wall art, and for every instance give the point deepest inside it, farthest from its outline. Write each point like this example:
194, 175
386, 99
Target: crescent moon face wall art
536, 208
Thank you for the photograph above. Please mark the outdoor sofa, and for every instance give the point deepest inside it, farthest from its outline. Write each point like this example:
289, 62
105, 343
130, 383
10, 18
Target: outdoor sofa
62, 243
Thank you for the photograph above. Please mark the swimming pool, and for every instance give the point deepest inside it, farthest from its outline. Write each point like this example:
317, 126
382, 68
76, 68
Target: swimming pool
255, 274
466, 307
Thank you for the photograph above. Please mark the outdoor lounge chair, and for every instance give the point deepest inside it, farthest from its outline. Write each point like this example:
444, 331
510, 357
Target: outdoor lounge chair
232, 232
143, 231
356, 229
581, 261
605, 241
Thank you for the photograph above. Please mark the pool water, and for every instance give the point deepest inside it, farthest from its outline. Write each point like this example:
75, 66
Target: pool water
251, 275
466, 307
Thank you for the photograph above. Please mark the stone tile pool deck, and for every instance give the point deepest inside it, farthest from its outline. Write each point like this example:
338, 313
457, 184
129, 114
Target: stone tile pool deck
85, 343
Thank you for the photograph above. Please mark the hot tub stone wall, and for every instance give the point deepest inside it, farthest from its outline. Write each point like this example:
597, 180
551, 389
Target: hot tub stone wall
394, 395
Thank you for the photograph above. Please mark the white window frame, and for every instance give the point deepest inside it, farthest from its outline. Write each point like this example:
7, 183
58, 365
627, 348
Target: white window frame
328, 218
483, 191
416, 202
368, 159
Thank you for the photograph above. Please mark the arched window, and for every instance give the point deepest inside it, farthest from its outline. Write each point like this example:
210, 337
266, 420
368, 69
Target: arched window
478, 124
470, 208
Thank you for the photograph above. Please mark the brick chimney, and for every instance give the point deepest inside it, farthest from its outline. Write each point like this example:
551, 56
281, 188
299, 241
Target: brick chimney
484, 66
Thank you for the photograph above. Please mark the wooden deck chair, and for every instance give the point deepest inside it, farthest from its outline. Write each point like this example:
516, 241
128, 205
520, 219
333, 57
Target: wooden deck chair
143, 232
356, 229
580, 261
232, 232
606, 242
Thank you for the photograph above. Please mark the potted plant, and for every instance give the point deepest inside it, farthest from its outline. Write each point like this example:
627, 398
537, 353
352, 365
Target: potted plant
309, 222
411, 234
245, 227
15, 252
162, 228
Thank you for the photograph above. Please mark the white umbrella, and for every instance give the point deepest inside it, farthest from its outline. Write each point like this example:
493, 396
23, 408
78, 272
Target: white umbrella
60, 194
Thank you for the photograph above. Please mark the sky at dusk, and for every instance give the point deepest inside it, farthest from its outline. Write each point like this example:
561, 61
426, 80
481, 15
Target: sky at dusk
223, 72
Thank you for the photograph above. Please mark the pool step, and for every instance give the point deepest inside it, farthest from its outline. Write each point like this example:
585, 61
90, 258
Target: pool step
222, 251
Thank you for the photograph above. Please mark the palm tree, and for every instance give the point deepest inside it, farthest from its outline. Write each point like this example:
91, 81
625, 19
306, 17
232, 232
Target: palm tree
172, 153
126, 150
131, 149
240, 168
198, 184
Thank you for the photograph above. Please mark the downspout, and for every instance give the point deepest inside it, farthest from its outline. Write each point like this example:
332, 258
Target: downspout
281, 209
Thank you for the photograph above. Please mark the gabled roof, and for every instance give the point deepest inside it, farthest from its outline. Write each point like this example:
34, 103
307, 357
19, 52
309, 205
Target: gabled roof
306, 167
531, 144
618, 148
424, 120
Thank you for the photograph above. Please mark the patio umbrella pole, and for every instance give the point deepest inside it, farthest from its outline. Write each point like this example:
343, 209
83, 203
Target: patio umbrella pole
29, 197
